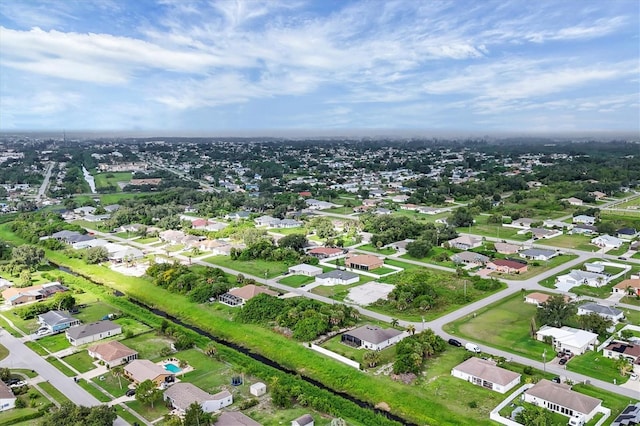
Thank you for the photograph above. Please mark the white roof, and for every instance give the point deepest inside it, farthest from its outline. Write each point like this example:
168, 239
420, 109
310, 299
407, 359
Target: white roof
306, 268
569, 336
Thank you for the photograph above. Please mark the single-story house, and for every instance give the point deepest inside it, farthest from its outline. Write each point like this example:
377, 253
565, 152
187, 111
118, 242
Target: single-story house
506, 248
558, 224
57, 321
617, 349
265, 220
607, 241
303, 420
598, 268
630, 416
627, 233
325, 252
538, 254
584, 219
469, 258
85, 210
240, 296
521, 223
126, 255
400, 245
7, 398
465, 242
486, 374
569, 339
560, 398
538, 233
140, 370
258, 389
112, 353
607, 312
597, 194
363, 262
172, 236
304, 269
87, 333
182, 395
314, 204
575, 201
577, 277
584, 229
536, 298
371, 337
19, 295
235, 418
507, 266
337, 277
238, 215
627, 286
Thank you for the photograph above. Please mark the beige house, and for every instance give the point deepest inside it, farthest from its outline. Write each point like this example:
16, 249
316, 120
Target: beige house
364, 262
140, 370
560, 398
112, 353
487, 374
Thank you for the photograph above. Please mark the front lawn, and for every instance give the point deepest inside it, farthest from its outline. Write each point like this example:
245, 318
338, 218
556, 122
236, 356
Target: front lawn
115, 386
383, 271
54, 343
297, 280
60, 366
81, 361
53, 392
594, 364
373, 249
505, 324
256, 267
147, 411
97, 393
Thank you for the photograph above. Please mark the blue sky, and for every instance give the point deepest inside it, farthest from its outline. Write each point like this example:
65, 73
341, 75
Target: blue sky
227, 65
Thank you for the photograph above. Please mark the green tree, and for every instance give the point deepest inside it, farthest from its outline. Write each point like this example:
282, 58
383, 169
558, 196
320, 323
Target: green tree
556, 311
535, 416
27, 255
63, 301
595, 323
94, 255
195, 416
148, 393
211, 350
371, 358
293, 241
25, 278
419, 248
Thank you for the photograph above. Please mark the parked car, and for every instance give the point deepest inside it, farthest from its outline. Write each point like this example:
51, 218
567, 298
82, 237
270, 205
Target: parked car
455, 342
472, 347
633, 376
563, 361
12, 381
131, 392
556, 379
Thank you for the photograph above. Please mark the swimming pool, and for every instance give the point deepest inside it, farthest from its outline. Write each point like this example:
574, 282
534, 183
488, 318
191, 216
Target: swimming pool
172, 368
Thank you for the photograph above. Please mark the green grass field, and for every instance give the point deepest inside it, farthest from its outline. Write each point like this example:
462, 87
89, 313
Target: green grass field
111, 179
81, 361
148, 345
595, 365
54, 343
504, 325
432, 255
296, 280
578, 242
115, 386
254, 267
373, 249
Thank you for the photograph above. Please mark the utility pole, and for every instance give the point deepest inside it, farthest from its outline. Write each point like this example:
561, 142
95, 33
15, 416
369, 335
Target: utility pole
544, 361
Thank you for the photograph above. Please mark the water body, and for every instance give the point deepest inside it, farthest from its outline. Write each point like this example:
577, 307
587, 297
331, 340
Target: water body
90, 180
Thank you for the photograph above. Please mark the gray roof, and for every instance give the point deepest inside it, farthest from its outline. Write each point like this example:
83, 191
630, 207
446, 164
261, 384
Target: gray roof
338, 274
183, 394
304, 419
487, 370
537, 252
81, 331
5, 391
562, 395
235, 418
374, 334
469, 256
56, 317
601, 309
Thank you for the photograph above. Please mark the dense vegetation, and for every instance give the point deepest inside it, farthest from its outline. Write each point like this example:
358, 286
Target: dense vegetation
412, 352
198, 284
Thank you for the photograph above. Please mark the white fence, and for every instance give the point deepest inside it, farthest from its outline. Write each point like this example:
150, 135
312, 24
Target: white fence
342, 359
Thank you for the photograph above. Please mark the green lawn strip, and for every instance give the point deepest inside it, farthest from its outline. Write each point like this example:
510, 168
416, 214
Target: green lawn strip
404, 265
21, 416
373, 249
5, 325
53, 392
596, 365
254, 267
89, 387
505, 325
35, 346
115, 386
29, 373
289, 231
4, 352
81, 361
149, 240
383, 271
296, 280
126, 415
616, 403
417, 406
60, 366
150, 413
631, 300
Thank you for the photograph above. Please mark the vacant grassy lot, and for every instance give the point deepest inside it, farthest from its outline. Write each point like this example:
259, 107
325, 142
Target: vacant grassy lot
148, 412
81, 361
94, 311
132, 325
297, 280
373, 249
504, 325
434, 257
578, 242
150, 240
148, 345
111, 179
54, 343
595, 365
254, 267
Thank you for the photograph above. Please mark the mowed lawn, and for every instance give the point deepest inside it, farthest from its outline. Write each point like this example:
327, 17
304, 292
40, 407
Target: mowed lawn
256, 267
504, 325
297, 280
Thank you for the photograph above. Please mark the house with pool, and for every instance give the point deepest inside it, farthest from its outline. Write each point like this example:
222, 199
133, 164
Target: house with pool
140, 370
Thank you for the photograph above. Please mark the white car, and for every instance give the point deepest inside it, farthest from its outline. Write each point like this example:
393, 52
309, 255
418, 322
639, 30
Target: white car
633, 376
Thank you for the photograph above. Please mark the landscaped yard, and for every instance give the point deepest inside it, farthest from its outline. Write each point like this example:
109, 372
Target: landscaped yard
505, 325
150, 413
116, 386
256, 267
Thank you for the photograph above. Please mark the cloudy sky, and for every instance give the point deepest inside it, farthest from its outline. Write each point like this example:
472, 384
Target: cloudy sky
225, 65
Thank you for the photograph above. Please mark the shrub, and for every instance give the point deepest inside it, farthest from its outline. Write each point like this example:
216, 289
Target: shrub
473, 404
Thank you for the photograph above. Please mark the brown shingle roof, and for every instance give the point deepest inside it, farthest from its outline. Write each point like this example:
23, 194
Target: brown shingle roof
235, 418
364, 259
111, 351
562, 395
250, 291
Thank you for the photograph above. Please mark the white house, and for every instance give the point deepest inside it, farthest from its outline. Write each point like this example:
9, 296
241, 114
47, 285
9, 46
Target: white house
577, 277
465, 242
337, 277
607, 241
607, 312
560, 398
522, 223
304, 420
569, 339
87, 333
575, 201
583, 218
486, 374
183, 394
7, 398
258, 389
304, 269
598, 268
538, 254
372, 337
629, 351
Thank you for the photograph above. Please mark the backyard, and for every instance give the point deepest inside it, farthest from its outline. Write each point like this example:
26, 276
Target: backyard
595, 365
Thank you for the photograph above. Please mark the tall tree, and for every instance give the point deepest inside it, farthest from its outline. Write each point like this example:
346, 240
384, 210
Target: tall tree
147, 393
555, 311
27, 255
195, 416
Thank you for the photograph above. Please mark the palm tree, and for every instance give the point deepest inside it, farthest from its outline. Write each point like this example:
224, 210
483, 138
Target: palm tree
118, 372
411, 329
211, 350
394, 322
371, 358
